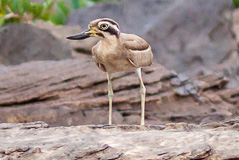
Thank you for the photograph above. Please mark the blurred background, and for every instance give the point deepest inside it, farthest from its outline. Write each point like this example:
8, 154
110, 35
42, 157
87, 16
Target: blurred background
44, 77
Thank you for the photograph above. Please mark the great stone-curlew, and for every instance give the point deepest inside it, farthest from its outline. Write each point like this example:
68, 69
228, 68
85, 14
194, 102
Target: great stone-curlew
117, 52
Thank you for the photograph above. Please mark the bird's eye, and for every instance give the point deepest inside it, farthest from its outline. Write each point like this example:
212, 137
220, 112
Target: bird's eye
104, 26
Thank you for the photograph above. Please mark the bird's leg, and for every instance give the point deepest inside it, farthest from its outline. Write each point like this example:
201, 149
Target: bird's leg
110, 94
143, 93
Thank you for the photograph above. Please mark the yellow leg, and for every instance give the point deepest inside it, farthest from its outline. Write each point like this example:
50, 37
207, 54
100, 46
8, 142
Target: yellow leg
143, 93
110, 95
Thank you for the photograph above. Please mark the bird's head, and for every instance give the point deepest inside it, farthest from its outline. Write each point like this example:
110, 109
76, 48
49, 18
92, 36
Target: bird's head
104, 28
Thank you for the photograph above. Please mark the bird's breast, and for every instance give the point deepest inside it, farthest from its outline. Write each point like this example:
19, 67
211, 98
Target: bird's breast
113, 59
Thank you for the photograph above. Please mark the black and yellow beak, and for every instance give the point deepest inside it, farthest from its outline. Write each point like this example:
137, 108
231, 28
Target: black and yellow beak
83, 35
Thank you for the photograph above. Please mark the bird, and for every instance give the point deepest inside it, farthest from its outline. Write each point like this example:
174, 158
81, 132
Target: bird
118, 52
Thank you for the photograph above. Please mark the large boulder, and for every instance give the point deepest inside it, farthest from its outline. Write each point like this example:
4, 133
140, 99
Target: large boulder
74, 91
213, 141
186, 36
193, 35
24, 42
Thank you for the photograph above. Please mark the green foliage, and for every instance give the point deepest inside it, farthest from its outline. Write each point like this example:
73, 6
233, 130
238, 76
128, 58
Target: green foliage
97, 1
25, 11
236, 3
78, 3
60, 13
2, 20
53, 11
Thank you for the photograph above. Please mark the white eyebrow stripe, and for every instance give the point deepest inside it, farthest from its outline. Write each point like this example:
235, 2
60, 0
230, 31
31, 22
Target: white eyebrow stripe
115, 27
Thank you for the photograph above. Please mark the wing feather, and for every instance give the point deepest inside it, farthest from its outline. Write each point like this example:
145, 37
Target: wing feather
138, 51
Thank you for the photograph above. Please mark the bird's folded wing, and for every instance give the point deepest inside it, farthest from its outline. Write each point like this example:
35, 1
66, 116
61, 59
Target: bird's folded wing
138, 51
99, 65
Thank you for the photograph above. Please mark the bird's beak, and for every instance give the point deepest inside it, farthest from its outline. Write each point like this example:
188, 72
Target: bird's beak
83, 35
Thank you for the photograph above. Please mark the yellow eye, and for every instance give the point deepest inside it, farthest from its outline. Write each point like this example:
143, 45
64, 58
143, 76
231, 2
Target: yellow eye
104, 26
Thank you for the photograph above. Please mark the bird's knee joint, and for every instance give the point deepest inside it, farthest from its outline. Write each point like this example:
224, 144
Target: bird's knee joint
111, 94
143, 90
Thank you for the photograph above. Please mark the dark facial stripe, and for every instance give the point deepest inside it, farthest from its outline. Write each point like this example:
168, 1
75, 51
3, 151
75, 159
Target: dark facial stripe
100, 35
112, 31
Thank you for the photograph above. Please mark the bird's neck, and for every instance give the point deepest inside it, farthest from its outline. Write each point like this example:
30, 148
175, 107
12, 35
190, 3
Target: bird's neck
111, 41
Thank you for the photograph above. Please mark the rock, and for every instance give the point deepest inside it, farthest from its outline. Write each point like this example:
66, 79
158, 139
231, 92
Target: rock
185, 46
230, 68
169, 141
181, 91
182, 77
74, 91
133, 119
187, 89
231, 95
176, 82
30, 125
23, 42
236, 24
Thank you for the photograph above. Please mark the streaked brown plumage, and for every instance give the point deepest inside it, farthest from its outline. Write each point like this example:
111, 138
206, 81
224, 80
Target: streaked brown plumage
118, 52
